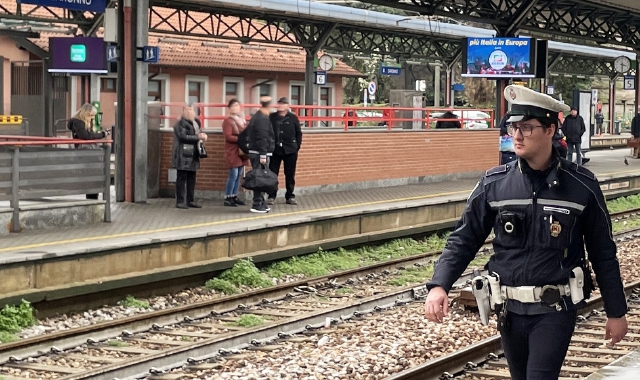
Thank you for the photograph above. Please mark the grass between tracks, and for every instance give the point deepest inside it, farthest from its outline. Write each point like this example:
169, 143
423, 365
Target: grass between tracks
248, 320
15, 318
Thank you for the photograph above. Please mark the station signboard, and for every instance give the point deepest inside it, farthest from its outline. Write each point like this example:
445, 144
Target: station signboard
97, 6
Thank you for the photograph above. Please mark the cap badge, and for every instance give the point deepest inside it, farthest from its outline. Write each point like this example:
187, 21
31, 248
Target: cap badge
512, 94
555, 229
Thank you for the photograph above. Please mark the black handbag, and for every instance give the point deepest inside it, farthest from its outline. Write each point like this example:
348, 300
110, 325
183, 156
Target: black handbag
202, 152
261, 179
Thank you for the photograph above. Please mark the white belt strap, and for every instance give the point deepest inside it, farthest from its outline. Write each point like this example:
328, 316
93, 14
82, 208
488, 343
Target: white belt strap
530, 294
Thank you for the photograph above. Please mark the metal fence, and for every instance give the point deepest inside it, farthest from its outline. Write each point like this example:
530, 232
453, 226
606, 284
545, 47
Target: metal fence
36, 168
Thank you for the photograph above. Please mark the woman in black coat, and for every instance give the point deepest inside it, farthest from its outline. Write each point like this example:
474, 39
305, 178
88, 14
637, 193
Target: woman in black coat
185, 158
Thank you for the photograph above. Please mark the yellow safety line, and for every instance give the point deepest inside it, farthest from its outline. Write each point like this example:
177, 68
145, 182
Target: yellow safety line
207, 224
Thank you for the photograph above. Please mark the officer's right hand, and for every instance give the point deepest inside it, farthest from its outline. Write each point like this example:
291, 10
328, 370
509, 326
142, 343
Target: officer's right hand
437, 305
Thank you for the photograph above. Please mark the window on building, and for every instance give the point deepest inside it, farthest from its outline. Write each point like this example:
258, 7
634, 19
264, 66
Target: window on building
265, 89
195, 92
231, 89
108, 84
296, 95
155, 90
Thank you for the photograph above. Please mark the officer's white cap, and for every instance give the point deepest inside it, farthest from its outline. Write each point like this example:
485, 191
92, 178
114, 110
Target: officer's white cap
526, 104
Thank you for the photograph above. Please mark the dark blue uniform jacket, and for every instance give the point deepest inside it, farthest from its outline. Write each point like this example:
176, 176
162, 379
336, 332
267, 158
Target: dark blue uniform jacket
556, 213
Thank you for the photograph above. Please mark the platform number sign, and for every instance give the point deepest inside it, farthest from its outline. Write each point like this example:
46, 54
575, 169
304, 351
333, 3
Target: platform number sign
629, 82
372, 88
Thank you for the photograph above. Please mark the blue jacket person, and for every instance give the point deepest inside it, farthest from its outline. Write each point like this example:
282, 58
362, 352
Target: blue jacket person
544, 211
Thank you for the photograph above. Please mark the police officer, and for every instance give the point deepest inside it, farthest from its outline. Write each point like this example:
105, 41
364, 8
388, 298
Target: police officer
544, 211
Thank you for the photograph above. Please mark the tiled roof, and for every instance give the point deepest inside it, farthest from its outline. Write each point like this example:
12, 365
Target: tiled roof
201, 52
207, 53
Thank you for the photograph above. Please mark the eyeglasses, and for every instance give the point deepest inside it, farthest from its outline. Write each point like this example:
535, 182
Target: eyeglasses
525, 129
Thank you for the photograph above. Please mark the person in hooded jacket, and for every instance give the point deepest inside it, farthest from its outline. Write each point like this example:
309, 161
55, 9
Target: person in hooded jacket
573, 128
635, 132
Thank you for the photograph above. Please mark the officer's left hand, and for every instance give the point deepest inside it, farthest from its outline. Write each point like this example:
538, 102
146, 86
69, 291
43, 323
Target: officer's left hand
616, 329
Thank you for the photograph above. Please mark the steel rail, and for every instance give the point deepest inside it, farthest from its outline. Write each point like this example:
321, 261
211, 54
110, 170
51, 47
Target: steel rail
139, 323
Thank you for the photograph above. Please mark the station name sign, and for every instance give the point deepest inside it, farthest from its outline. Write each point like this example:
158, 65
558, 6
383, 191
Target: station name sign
76, 5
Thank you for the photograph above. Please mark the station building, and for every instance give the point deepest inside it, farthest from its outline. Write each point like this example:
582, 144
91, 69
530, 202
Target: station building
190, 70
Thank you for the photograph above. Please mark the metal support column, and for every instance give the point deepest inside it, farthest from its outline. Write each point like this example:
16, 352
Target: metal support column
612, 102
437, 79
129, 53
502, 105
47, 93
106, 195
94, 88
309, 87
15, 190
140, 107
448, 92
119, 133
637, 91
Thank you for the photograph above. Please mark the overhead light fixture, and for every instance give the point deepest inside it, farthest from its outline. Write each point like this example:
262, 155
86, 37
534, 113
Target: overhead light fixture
337, 56
436, 63
580, 76
568, 76
554, 74
253, 47
413, 62
285, 50
215, 44
177, 41
361, 57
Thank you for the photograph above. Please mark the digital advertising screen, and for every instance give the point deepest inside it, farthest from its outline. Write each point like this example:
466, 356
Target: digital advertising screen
499, 58
77, 55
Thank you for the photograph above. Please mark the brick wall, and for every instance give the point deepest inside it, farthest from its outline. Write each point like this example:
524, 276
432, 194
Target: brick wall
332, 157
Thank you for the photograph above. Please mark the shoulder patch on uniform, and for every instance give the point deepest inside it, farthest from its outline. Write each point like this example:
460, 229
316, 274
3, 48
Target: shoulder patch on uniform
582, 170
497, 170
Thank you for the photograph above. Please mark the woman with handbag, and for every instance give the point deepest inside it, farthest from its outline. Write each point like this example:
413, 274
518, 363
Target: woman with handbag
231, 128
186, 158
81, 127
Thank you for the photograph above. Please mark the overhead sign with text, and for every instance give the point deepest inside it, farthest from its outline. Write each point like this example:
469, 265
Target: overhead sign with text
77, 5
390, 70
499, 58
77, 55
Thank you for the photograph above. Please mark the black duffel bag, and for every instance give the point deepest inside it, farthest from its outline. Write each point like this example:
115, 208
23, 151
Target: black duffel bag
261, 179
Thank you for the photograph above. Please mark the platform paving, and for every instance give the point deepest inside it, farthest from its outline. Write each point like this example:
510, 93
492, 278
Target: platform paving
159, 219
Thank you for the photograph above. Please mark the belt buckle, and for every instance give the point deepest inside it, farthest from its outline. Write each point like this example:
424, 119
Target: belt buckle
550, 295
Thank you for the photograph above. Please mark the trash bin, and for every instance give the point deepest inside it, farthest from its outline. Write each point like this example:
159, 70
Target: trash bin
616, 127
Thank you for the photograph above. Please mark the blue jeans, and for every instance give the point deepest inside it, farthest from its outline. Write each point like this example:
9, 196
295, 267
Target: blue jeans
233, 181
570, 148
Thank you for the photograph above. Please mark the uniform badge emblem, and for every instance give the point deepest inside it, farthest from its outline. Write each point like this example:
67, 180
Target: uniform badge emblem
512, 94
556, 228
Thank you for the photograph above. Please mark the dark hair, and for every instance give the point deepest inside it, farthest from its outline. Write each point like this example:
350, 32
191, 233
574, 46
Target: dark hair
232, 102
546, 122
265, 104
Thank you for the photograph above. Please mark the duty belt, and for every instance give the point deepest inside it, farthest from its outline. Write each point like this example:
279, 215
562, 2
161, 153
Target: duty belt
548, 294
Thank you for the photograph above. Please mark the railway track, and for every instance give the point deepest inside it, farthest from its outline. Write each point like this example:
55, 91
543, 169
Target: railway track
587, 351
132, 346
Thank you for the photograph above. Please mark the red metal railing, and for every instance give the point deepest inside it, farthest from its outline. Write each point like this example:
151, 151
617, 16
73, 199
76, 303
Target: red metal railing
347, 116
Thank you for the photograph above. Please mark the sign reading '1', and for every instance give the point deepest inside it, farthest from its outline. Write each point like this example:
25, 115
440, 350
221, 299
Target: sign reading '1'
97, 6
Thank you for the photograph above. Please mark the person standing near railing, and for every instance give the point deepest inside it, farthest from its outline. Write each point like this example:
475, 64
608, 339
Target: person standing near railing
186, 159
231, 128
82, 128
288, 135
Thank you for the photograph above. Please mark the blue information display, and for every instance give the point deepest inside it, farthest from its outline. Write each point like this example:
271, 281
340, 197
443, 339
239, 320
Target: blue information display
499, 58
76, 5
150, 54
388, 70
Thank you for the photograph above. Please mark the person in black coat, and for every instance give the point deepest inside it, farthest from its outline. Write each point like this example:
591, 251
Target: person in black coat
261, 146
288, 138
635, 132
185, 157
81, 127
448, 124
573, 128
